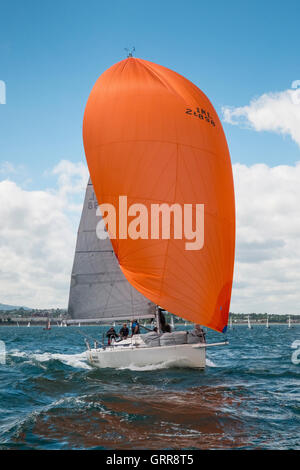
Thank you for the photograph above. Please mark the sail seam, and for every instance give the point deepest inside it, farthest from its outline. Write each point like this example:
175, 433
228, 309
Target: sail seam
158, 141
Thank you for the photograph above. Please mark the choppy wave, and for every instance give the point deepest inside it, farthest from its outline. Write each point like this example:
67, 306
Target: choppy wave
74, 360
247, 397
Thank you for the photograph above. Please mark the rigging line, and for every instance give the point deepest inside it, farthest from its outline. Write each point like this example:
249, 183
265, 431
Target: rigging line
94, 251
88, 336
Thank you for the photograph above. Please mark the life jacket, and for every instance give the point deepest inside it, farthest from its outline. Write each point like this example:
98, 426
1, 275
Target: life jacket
134, 325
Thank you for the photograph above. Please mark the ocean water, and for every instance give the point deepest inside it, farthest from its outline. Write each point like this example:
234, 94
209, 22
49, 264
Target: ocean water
247, 397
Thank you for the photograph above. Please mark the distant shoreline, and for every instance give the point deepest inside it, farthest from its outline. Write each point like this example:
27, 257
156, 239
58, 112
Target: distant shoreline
42, 324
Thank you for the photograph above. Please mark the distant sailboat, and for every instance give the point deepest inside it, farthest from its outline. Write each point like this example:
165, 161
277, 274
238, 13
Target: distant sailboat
267, 323
28, 324
249, 324
18, 324
172, 323
79, 324
289, 322
230, 323
48, 327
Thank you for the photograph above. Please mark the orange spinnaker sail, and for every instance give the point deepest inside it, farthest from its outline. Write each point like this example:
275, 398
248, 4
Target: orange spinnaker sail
152, 135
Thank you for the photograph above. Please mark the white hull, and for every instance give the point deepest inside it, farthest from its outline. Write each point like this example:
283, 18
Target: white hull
183, 355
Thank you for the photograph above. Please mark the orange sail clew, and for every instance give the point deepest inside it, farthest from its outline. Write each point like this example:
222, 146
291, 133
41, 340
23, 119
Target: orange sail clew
153, 136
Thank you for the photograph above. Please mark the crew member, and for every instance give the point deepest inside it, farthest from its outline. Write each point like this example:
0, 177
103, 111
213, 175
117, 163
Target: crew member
124, 331
135, 328
198, 331
111, 334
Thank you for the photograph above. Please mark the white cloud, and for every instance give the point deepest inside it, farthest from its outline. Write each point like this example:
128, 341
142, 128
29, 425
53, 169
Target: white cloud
277, 112
267, 268
37, 239
6, 168
38, 231
72, 177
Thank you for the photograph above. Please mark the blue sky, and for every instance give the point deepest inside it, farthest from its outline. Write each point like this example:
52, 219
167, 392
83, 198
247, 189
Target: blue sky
243, 54
52, 52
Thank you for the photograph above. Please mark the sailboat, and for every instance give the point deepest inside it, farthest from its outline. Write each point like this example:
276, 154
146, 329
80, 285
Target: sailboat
48, 326
249, 324
230, 323
172, 323
289, 322
28, 324
267, 323
151, 137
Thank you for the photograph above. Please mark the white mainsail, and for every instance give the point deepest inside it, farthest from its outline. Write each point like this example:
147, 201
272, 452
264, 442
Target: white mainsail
249, 324
99, 290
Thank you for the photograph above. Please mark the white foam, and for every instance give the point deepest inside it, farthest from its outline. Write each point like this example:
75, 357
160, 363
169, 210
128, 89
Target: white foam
161, 365
149, 367
18, 354
210, 363
78, 361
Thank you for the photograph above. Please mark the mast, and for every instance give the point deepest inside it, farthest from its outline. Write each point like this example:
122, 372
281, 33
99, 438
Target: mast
157, 320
